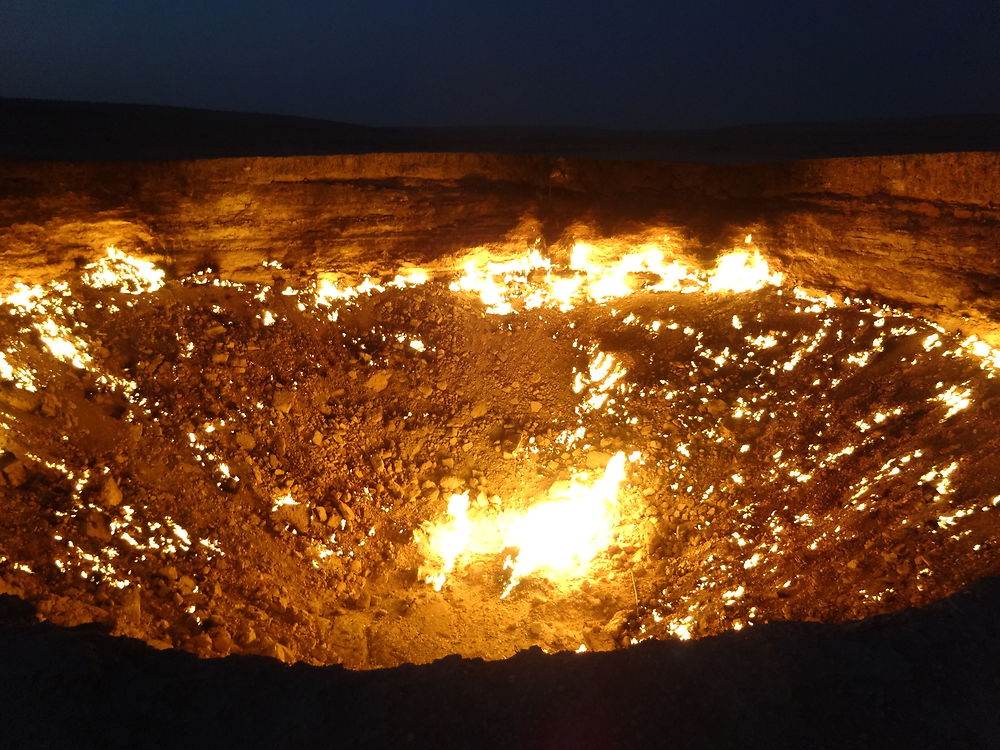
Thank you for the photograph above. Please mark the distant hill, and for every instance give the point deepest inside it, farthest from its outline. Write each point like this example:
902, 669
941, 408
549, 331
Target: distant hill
79, 131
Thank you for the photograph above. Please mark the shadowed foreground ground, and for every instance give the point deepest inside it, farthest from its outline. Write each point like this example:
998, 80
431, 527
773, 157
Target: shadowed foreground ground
918, 678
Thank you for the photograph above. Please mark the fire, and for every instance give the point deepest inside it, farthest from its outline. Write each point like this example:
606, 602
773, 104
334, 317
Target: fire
451, 539
129, 274
59, 340
557, 538
561, 536
742, 271
329, 288
602, 374
611, 281
955, 399
602, 274
493, 282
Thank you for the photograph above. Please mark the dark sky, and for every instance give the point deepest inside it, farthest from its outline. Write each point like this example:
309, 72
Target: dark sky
429, 62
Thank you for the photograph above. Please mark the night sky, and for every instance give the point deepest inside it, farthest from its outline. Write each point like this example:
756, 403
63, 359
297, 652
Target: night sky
688, 63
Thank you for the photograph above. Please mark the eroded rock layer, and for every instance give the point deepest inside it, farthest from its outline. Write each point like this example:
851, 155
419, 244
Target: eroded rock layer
920, 231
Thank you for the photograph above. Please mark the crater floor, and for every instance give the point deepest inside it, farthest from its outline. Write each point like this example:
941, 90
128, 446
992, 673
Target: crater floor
242, 468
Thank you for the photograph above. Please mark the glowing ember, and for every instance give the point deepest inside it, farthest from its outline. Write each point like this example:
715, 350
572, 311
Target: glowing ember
955, 399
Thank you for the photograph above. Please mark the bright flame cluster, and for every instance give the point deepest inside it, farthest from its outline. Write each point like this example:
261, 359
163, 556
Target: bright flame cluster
329, 290
556, 538
128, 274
532, 280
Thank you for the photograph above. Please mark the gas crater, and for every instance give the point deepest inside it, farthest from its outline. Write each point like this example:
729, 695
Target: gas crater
578, 446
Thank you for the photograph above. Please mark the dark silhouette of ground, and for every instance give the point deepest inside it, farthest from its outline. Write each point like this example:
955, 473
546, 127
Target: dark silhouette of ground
81, 131
927, 678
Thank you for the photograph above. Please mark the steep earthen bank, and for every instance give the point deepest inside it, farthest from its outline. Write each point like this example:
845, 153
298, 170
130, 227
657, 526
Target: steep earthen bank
917, 231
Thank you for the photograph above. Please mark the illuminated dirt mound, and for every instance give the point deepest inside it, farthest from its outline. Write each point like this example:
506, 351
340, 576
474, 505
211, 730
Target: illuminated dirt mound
578, 448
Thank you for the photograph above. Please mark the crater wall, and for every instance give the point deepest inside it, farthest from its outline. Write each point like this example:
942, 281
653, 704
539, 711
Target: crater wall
919, 231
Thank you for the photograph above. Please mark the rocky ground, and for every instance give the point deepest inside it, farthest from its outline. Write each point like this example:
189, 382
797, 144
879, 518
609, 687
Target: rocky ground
259, 469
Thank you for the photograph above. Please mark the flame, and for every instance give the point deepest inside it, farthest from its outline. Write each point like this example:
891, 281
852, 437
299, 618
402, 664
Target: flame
131, 275
410, 277
603, 372
955, 399
329, 288
742, 271
557, 538
493, 282
560, 537
21, 377
451, 539
601, 274
611, 281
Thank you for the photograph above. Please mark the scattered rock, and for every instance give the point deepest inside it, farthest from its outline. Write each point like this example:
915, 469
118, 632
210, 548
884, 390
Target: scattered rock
245, 440
451, 483
201, 644
378, 382
345, 510
296, 516
97, 526
131, 607
362, 600
50, 404
511, 440
283, 400
245, 634
597, 459
616, 623
111, 494
15, 473
716, 407
279, 446
536, 629
222, 641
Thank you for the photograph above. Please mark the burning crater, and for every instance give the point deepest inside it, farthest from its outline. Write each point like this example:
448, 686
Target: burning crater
579, 445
